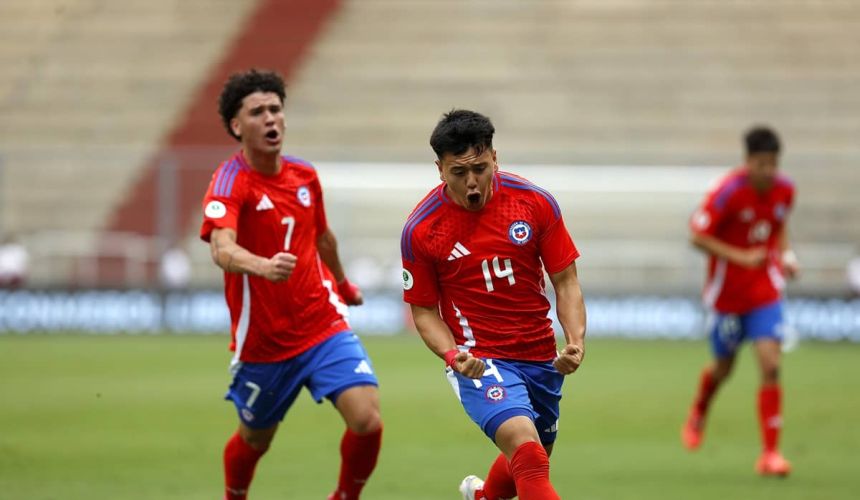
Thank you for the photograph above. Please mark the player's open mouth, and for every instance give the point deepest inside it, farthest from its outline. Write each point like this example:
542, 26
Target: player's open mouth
473, 198
273, 136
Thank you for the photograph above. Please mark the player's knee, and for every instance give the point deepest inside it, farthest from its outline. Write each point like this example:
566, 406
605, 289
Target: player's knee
260, 444
514, 433
722, 371
258, 440
770, 374
366, 422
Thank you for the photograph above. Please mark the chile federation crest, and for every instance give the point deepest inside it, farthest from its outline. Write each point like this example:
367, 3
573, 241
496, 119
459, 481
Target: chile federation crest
304, 196
520, 232
495, 393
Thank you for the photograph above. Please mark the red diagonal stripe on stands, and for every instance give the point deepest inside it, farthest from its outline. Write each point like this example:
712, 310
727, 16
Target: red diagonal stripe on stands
276, 36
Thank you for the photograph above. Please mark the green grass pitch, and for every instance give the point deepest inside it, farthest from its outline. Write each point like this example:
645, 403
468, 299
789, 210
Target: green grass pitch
128, 417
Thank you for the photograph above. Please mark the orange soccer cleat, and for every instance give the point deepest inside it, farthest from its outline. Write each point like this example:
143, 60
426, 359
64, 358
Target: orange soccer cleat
772, 463
693, 430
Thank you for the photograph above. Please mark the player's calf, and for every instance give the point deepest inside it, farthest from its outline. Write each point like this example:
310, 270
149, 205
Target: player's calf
240, 461
530, 468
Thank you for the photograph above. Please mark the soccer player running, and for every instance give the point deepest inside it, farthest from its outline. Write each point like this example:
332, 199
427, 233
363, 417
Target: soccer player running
474, 253
741, 226
265, 221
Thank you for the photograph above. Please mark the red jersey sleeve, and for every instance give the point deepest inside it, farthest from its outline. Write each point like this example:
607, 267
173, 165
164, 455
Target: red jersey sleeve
420, 283
223, 200
790, 195
557, 250
320, 220
712, 212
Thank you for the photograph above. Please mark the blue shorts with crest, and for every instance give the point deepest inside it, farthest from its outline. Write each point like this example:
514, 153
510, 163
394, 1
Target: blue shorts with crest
263, 392
728, 331
510, 389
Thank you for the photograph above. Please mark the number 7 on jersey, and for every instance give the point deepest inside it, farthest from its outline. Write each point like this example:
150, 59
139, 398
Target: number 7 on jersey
290, 222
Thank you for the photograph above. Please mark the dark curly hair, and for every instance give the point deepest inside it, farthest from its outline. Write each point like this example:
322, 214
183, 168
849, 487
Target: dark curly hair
461, 129
240, 85
761, 139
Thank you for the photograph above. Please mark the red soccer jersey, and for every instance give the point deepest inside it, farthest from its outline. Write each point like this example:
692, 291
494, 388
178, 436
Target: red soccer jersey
735, 213
485, 269
270, 214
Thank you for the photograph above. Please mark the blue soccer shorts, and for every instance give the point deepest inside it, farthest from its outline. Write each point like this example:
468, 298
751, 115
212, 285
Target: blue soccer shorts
510, 389
263, 392
728, 331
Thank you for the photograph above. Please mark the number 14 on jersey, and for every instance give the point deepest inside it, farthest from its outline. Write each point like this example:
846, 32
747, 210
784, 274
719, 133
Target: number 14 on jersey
500, 272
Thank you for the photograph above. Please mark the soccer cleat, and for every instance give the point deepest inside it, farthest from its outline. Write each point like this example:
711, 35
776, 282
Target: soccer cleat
772, 463
470, 486
693, 430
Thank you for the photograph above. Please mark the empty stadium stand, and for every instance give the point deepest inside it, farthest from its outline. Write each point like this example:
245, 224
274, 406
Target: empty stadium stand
94, 95
88, 91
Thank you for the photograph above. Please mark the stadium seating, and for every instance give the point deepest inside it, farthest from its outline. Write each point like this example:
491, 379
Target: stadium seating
90, 88
606, 83
87, 92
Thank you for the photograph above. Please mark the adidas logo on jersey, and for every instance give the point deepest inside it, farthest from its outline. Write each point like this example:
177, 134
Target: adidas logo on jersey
265, 203
363, 367
459, 251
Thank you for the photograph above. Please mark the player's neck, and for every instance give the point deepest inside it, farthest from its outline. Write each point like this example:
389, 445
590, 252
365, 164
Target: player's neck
265, 163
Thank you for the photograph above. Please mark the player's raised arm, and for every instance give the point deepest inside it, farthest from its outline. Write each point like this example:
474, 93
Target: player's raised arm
438, 338
570, 308
233, 258
327, 247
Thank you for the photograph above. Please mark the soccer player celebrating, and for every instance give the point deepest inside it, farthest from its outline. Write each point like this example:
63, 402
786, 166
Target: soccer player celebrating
741, 226
474, 253
265, 221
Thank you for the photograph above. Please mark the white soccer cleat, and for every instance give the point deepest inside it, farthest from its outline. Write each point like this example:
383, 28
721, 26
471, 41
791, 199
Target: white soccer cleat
469, 486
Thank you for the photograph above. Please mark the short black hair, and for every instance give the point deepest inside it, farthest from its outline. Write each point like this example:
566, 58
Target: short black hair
240, 85
761, 139
461, 129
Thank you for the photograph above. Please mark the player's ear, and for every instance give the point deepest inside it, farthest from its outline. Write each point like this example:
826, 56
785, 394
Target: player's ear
495, 162
439, 166
235, 127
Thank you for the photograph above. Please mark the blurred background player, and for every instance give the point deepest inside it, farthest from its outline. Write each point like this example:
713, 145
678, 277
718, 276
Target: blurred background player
742, 227
474, 250
265, 221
